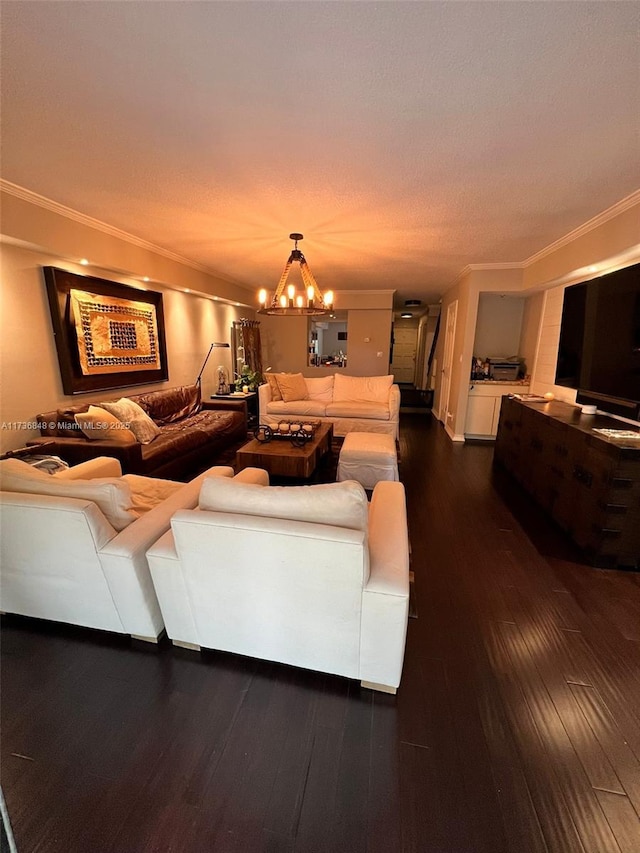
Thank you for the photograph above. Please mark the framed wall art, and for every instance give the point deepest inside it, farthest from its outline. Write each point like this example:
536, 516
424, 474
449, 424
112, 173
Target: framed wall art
108, 335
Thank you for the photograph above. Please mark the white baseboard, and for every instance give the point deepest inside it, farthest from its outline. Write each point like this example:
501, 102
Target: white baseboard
454, 436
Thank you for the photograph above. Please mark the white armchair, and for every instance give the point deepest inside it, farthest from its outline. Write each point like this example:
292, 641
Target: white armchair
310, 576
63, 559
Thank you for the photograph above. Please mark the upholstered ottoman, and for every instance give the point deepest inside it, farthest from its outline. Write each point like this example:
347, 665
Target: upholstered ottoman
368, 457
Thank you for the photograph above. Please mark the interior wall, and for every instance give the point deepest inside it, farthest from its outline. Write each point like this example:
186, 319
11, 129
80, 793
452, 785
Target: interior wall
369, 342
285, 342
30, 380
35, 223
498, 326
531, 319
544, 374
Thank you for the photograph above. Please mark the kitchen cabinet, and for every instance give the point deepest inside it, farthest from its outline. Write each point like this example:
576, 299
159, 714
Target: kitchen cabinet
483, 407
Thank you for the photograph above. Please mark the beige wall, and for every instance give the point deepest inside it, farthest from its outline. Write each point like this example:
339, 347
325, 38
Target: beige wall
498, 325
531, 318
29, 373
369, 334
612, 244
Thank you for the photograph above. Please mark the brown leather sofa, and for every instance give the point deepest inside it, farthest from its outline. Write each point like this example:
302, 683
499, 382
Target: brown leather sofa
193, 434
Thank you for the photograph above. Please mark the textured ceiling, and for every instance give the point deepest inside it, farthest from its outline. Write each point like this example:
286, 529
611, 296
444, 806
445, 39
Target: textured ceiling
404, 139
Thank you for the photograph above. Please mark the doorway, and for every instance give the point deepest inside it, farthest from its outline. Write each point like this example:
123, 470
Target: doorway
447, 361
403, 365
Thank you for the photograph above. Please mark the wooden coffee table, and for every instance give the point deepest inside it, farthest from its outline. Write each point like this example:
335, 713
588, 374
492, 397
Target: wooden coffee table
281, 459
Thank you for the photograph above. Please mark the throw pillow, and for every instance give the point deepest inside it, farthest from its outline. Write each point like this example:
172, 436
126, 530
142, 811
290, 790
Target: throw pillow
110, 494
98, 423
292, 387
339, 504
272, 379
135, 418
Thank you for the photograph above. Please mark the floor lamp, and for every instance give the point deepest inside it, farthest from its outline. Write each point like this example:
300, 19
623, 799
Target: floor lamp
223, 378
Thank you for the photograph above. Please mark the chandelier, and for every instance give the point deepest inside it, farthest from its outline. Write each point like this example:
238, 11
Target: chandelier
288, 302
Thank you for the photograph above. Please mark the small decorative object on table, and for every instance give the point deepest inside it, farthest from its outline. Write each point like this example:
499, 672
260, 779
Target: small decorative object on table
223, 381
298, 432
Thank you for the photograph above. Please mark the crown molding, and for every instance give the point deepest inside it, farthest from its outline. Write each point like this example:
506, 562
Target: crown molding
591, 224
97, 225
515, 265
364, 292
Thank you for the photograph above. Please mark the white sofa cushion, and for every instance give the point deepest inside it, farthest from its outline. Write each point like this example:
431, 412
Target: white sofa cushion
320, 388
358, 409
98, 423
111, 494
370, 389
148, 492
312, 408
336, 504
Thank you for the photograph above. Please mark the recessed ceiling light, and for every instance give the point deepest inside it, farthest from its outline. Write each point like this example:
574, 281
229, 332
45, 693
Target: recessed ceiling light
84, 262
406, 315
412, 303
186, 290
592, 269
146, 278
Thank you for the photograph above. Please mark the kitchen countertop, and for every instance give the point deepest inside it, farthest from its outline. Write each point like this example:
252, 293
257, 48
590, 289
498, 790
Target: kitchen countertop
525, 381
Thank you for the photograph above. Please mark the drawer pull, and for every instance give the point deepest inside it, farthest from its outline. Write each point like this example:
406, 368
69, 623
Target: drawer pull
621, 483
606, 532
615, 509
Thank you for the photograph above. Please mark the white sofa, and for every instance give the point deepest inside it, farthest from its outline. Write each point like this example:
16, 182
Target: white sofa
351, 403
62, 559
310, 576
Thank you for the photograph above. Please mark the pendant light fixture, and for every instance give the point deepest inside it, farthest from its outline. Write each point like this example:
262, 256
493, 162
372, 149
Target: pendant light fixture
286, 301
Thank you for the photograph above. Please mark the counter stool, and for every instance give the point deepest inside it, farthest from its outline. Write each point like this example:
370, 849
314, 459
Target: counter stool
368, 457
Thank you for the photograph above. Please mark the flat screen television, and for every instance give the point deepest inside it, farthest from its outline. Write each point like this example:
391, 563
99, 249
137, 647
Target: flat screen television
599, 349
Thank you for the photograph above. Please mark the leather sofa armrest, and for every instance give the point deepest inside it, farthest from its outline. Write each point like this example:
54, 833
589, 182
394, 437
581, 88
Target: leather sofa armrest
77, 450
233, 404
101, 466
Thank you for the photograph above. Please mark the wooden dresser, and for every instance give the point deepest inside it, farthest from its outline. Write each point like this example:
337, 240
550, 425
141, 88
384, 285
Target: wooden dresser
589, 484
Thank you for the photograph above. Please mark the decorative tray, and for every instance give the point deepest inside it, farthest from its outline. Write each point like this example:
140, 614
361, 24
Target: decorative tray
286, 428
299, 431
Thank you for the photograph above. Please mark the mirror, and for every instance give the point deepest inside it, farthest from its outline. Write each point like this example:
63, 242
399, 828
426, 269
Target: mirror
328, 340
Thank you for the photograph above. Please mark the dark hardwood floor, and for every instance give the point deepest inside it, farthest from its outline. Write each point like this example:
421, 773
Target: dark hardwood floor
516, 727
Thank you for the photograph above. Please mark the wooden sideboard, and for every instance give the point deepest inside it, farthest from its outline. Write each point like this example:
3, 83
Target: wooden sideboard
589, 484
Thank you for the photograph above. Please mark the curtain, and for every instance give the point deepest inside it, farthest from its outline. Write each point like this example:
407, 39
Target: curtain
247, 345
